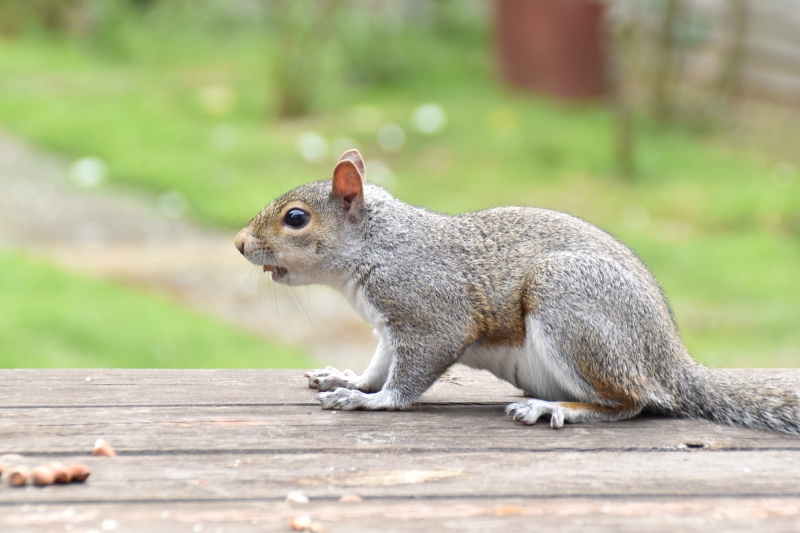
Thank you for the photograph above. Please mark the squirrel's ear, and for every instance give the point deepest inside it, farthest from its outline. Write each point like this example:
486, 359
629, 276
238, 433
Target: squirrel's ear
347, 184
355, 157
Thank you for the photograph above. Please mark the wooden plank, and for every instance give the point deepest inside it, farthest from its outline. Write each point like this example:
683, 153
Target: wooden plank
777, 21
772, 55
116, 387
777, 87
506, 515
273, 411
769, 70
128, 387
422, 476
277, 429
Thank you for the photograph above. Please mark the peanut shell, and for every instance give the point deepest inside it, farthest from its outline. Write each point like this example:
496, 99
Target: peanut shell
17, 476
316, 527
78, 472
300, 523
60, 471
43, 475
103, 449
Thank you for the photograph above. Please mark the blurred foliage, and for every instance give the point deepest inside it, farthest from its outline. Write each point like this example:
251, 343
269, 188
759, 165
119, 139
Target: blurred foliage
660, 36
51, 318
371, 47
302, 28
21, 16
187, 101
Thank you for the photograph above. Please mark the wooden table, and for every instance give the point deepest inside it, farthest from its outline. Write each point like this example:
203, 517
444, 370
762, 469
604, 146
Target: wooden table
218, 451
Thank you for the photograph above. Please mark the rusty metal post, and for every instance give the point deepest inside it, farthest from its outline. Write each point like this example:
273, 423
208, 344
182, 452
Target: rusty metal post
554, 46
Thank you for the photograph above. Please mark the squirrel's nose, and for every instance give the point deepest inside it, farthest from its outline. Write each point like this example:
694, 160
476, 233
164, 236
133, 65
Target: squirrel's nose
239, 242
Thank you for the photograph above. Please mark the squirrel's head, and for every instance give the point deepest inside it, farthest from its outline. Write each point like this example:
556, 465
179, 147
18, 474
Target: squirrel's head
304, 236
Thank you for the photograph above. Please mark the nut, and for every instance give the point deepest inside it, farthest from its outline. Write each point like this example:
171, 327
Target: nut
7, 459
300, 523
296, 496
60, 471
103, 449
350, 498
43, 475
17, 476
78, 472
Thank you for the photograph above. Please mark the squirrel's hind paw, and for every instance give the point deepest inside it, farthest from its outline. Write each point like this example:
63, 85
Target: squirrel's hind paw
530, 411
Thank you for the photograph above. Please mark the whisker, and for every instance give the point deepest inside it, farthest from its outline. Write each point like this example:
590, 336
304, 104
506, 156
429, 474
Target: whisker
273, 292
292, 295
274, 295
289, 293
260, 280
304, 310
239, 224
249, 274
290, 298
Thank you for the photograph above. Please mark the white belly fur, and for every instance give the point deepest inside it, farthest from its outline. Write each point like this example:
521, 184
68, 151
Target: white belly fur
535, 367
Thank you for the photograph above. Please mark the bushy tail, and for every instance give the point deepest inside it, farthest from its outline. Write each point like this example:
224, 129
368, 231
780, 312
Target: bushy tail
756, 399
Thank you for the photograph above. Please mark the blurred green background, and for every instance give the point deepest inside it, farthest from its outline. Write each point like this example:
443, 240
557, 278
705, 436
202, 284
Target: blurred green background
224, 105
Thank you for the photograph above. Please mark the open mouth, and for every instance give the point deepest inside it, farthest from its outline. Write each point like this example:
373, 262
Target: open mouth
277, 272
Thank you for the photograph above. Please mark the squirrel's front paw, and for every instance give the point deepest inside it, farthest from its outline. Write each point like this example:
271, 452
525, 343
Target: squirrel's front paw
341, 398
331, 379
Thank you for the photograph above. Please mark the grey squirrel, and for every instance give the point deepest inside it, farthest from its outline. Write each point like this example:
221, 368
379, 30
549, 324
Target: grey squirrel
543, 300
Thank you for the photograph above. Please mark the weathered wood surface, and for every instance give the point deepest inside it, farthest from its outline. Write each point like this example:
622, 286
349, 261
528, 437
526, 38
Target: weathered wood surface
203, 450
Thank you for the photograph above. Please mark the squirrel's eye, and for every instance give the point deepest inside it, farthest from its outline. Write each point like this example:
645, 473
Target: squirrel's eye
296, 218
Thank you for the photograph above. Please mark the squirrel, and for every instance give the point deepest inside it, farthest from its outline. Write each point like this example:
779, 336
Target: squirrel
541, 299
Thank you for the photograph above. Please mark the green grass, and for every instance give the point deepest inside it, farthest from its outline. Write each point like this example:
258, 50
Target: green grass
735, 297
146, 120
51, 318
719, 227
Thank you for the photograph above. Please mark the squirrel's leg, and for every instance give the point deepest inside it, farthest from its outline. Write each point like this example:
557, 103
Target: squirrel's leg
371, 380
528, 412
413, 369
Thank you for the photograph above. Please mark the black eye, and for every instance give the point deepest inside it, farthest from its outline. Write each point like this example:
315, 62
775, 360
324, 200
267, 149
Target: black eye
296, 218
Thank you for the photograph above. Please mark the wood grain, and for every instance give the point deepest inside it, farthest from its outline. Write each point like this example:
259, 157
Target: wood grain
279, 429
425, 476
469, 515
111, 388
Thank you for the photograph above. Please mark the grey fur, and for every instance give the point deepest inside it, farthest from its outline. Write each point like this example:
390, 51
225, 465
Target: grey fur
441, 286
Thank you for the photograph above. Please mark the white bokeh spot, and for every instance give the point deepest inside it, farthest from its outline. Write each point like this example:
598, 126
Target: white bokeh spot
88, 172
391, 138
312, 147
429, 118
